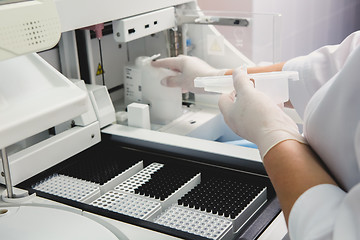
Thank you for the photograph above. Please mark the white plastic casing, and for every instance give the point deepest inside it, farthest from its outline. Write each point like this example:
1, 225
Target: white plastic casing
104, 109
142, 25
35, 98
28, 26
89, 116
33, 222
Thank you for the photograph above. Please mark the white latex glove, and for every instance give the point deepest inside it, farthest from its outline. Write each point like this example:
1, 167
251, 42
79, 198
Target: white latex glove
254, 116
188, 68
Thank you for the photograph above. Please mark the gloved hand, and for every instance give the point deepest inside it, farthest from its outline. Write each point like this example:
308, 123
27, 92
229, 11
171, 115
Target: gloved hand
188, 69
254, 116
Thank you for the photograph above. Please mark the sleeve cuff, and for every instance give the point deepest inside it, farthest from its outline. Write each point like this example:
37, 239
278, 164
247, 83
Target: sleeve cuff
294, 64
314, 212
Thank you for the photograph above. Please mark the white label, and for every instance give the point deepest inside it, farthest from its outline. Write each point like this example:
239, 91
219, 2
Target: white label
132, 85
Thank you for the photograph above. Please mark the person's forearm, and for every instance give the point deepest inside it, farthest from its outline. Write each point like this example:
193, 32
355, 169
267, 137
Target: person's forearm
293, 168
259, 69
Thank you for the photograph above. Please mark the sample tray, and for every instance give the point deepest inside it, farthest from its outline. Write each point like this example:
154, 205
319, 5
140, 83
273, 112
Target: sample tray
159, 192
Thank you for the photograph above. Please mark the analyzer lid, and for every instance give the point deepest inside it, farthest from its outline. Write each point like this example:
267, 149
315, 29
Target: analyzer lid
34, 97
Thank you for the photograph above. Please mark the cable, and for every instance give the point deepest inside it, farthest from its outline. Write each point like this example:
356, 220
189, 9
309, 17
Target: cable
101, 62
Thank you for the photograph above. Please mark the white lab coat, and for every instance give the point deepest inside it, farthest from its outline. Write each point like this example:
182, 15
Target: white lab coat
328, 98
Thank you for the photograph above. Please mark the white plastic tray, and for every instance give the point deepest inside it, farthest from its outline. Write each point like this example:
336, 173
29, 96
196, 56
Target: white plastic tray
274, 84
